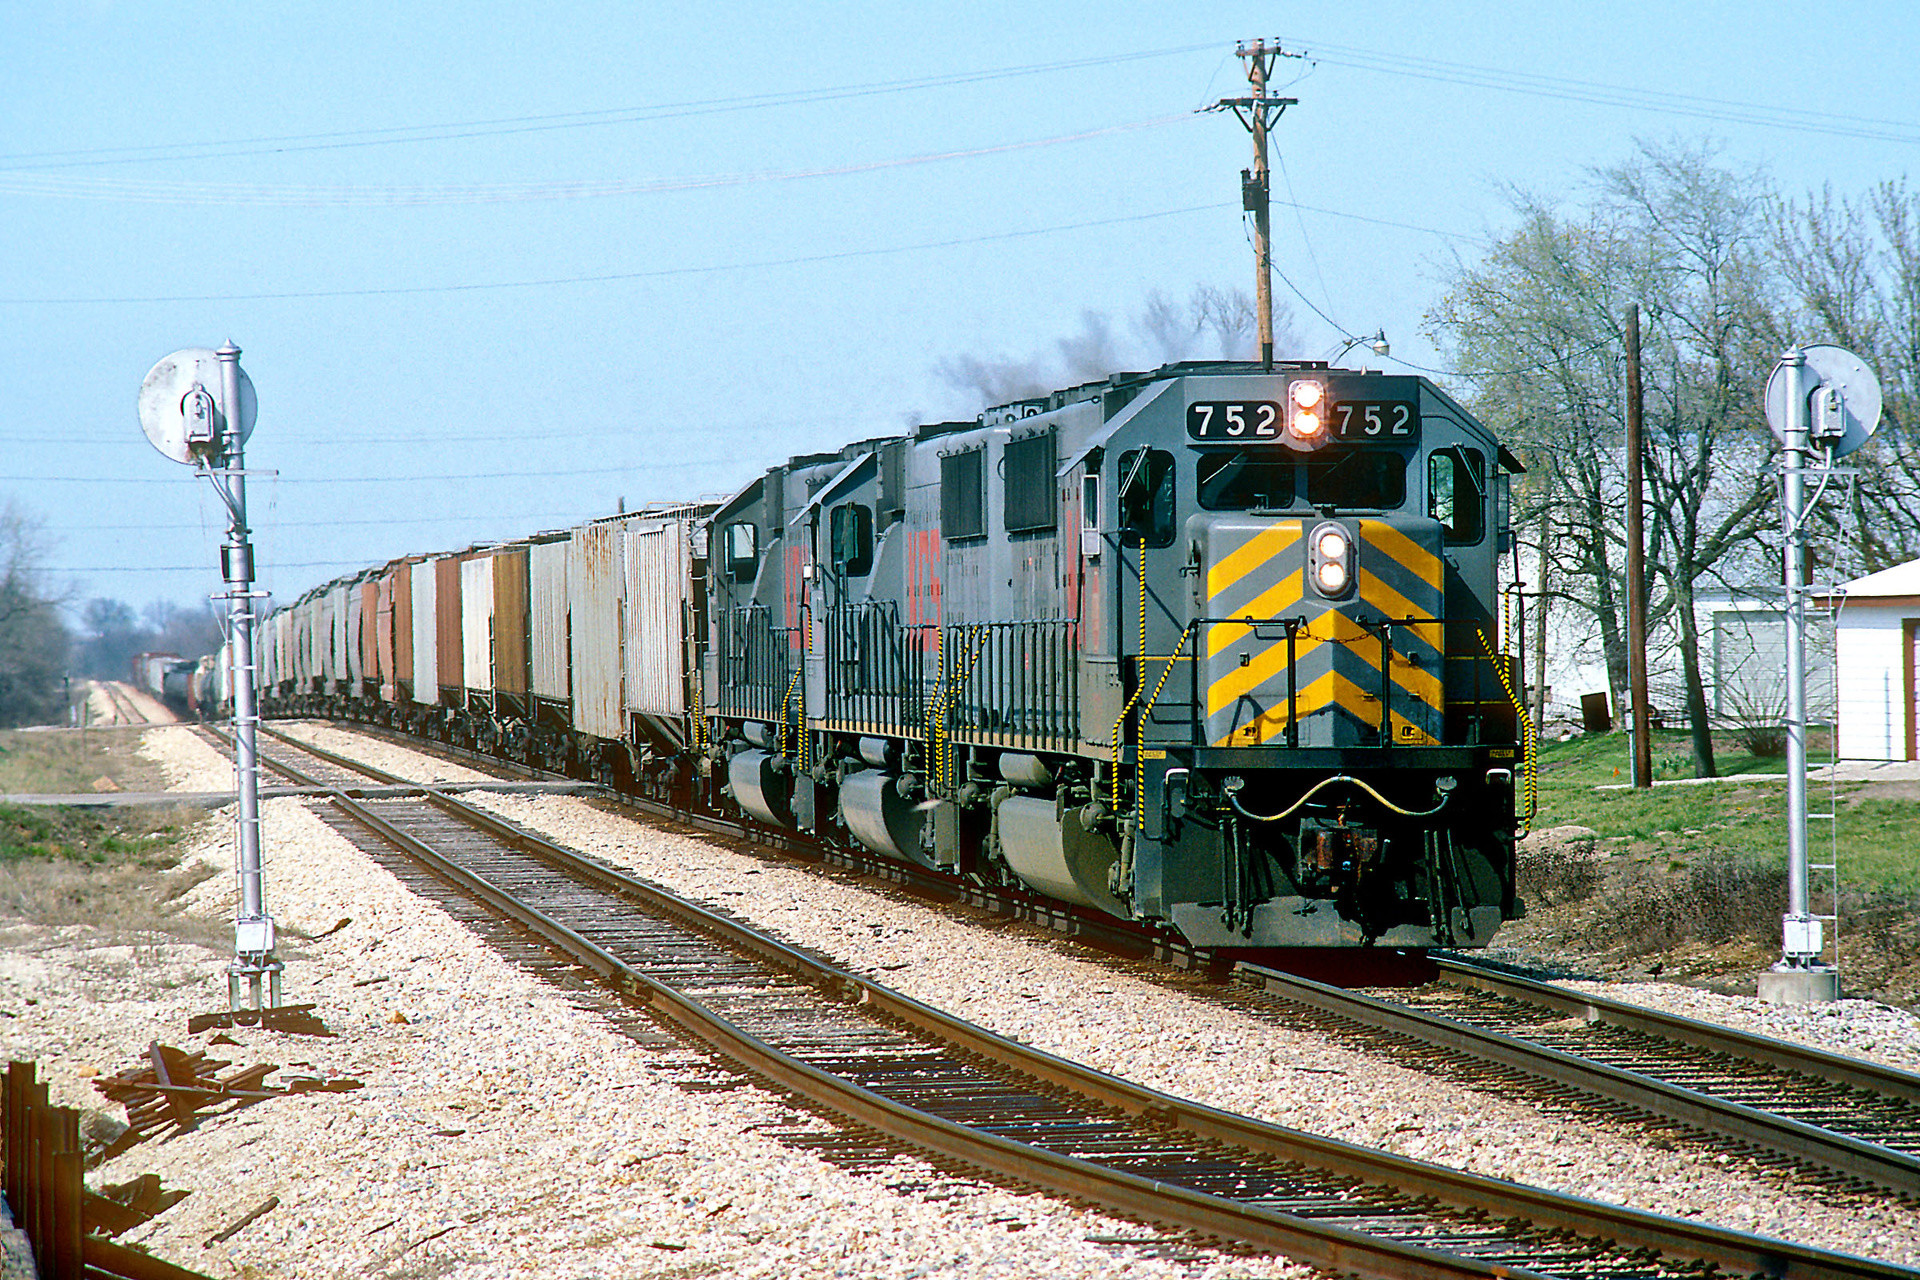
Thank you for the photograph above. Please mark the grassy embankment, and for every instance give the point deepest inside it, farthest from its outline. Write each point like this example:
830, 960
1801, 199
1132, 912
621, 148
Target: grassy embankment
1696, 874
113, 871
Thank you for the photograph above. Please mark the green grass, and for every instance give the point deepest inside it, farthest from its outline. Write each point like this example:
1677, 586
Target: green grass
115, 872
48, 833
1878, 852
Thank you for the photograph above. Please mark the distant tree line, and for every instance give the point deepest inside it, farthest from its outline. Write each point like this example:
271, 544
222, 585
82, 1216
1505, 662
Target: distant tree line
38, 653
1726, 272
111, 633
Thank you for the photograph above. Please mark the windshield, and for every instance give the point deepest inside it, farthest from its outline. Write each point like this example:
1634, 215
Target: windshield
1250, 480
1362, 478
1241, 481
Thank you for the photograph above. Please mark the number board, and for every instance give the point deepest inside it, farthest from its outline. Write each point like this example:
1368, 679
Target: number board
1252, 421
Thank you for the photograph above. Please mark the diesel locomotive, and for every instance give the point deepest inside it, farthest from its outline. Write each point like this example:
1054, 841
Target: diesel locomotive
1212, 647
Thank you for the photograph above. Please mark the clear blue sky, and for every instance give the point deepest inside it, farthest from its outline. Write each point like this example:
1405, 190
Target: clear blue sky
497, 267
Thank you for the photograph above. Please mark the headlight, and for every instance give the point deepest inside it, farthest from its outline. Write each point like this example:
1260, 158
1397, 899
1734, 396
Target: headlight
1330, 558
1307, 414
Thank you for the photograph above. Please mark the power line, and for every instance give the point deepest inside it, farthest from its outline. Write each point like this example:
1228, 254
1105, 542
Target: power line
494, 127
763, 264
270, 525
1566, 88
211, 569
618, 276
190, 478
230, 193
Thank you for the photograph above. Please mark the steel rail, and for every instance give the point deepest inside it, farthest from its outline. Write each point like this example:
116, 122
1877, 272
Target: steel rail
1320, 1244
1804, 1059
1896, 1171
1117, 936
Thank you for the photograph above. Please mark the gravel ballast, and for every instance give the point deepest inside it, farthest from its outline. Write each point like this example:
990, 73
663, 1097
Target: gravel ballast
557, 1113
503, 1129
1097, 1012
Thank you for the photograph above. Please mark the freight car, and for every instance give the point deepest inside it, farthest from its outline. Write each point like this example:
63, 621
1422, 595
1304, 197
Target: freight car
1210, 647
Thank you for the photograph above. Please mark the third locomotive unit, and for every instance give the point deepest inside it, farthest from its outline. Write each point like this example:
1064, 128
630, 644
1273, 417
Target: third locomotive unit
1211, 647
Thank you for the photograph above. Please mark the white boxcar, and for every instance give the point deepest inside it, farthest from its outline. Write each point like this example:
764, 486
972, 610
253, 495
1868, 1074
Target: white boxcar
547, 568
476, 621
323, 638
596, 579
657, 553
352, 661
426, 669
338, 637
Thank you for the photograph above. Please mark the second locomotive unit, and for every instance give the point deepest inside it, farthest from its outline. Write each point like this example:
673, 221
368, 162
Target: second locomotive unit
1212, 646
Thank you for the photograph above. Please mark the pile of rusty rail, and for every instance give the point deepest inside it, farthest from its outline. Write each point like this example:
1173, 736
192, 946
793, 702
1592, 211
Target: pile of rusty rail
168, 1093
65, 1224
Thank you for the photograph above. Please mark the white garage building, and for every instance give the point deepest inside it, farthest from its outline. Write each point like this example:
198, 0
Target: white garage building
1875, 638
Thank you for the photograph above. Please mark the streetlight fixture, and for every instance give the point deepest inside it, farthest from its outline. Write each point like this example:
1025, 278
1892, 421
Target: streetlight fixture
1378, 341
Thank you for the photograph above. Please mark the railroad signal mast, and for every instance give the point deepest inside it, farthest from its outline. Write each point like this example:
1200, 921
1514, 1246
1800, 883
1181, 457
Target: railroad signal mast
197, 407
1822, 403
1257, 112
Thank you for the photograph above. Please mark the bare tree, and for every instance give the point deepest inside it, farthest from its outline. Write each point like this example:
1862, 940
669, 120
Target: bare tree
1852, 274
33, 644
1537, 329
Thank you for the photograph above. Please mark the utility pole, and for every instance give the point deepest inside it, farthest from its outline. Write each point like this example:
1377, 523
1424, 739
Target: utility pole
1637, 566
1257, 112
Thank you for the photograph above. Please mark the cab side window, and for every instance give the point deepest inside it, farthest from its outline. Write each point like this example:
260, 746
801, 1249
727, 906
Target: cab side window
1456, 492
850, 533
1146, 496
742, 546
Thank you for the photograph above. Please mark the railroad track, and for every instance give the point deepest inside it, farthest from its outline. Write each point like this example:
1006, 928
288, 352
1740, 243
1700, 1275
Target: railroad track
950, 1090
125, 711
1848, 1125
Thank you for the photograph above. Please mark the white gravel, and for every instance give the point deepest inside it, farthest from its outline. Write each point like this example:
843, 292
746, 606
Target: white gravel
503, 1129
1033, 989
186, 761
1858, 1028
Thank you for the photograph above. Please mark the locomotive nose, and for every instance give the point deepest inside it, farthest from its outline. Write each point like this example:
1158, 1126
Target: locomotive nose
1321, 631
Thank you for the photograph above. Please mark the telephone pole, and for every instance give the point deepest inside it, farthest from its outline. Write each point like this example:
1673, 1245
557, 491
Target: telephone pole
1257, 111
1640, 702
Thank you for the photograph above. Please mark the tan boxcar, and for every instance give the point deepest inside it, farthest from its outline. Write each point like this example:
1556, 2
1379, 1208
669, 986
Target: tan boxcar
371, 668
451, 674
511, 665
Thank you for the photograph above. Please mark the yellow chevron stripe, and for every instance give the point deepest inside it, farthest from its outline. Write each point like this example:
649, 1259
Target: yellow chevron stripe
1417, 681
1397, 546
1396, 606
1330, 689
1328, 627
1250, 555
1257, 730
1262, 608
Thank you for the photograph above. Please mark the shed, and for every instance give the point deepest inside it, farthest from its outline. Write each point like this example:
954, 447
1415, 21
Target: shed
1878, 621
